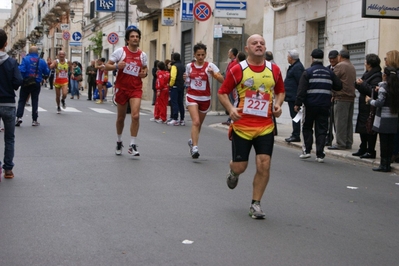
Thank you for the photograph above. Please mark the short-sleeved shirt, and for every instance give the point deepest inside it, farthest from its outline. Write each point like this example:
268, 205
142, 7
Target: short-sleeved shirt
61, 72
128, 77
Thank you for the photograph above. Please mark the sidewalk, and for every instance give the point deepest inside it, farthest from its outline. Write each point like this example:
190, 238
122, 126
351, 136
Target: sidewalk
284, 131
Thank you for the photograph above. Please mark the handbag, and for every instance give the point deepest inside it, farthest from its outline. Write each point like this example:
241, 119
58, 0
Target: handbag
370, 118
78, 78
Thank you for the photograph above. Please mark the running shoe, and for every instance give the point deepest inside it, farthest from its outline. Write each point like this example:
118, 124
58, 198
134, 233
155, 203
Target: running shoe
99, 102
152, 119
35, 124
194, 152
160, 121
255, 211
320, 160
182, 123
119, 147
18, 122
133, 150
58, 110
190, 144
63, 103
232, 180
173, 123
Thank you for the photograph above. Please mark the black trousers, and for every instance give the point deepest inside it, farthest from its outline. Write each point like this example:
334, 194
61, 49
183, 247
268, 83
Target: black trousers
386, 145
92, 87
296, 127
317, 117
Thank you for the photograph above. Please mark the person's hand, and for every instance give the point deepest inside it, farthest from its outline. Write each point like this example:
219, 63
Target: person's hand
367, 99
234, 113
297, 108
359, 81
277, 110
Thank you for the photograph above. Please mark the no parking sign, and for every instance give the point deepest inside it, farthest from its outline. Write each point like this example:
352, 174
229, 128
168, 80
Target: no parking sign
113, 38
202, 11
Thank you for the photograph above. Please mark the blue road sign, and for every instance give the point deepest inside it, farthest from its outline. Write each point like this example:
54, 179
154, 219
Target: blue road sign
75, 43
77, 36
187, 7
240, 5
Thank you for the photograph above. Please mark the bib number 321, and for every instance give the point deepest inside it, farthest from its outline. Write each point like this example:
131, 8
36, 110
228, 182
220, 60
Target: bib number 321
256, 103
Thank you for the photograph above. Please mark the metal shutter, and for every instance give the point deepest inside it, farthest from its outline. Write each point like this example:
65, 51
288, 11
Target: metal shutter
357, 57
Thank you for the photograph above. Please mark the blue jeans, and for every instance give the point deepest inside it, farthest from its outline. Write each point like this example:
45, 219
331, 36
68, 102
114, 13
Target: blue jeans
74, 87
7, 114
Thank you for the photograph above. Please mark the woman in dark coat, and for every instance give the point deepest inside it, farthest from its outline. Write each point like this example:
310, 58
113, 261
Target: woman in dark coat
365, 85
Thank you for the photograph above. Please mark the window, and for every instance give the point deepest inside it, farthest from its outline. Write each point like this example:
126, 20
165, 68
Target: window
155, 25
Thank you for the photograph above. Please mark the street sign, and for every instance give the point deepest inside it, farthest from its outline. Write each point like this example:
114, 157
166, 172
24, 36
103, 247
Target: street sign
186, 7
218, 31
202, 11
66, 35
76, 51
113, 38
168, 17
75, 43
232, 30
105, 5
77, 36
230, 13
64, 27
240, 5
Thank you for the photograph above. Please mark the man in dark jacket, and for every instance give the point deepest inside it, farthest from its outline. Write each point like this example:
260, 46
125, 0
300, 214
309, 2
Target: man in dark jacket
91, 73
315, 92
31, 66
10, 81
294, 73
177, 91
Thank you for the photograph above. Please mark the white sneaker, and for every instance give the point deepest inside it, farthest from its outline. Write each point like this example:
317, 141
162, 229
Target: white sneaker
182, 123
194, 152
133, 150
152, 119
320, 160
160, 121
174, 123
304, 155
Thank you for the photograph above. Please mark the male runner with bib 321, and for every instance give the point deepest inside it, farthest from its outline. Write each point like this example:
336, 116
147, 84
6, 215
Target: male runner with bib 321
61, 66
131, 64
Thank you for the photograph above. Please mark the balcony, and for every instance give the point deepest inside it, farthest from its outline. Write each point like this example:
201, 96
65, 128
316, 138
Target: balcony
54, 10
147, 6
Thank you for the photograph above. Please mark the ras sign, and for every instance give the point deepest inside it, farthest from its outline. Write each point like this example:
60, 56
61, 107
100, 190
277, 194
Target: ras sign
105, 5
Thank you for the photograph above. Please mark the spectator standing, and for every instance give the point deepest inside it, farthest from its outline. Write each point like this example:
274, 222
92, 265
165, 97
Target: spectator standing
314, 91
386, 117
10, 81
198, 98
333, 59
162, 86
132, 66
51, 76
100, 79
294, 73
91, 73
366, 86
75, 79
177, 91
254, 78
154, 81
31, 66
344, 102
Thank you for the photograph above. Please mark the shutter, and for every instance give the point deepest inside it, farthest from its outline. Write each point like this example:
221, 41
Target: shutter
357, 57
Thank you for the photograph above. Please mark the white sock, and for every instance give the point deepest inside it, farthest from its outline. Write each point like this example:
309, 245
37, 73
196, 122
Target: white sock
132, 140
119, 137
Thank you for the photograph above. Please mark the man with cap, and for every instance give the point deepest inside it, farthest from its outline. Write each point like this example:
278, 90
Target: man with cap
294, 73
344, 101
333, 58
314, 91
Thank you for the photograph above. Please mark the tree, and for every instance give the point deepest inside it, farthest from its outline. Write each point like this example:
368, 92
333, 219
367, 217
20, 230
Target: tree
97, 43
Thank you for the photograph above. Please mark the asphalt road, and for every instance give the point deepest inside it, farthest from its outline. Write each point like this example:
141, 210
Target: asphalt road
74, 202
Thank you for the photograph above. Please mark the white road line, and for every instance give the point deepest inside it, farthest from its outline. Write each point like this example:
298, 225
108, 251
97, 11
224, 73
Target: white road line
102, 111
29, 109
71, 110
